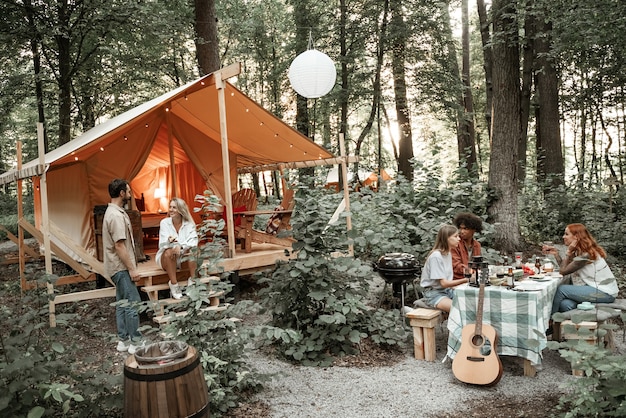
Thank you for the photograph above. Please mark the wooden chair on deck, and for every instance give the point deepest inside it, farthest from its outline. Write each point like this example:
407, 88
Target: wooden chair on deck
279, 221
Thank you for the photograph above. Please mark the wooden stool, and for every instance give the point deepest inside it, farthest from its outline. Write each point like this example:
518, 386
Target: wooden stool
571, 331
423, 322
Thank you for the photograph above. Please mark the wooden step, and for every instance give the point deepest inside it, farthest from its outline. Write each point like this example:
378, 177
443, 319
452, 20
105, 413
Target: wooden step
164, 319
153, 290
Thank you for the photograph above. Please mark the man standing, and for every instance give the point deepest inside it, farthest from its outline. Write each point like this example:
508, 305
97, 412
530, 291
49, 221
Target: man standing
121, 266
468, 224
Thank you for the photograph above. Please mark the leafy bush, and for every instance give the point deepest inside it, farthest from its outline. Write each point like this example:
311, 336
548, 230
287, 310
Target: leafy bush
220, 337
321, 294
602, 389
40, 374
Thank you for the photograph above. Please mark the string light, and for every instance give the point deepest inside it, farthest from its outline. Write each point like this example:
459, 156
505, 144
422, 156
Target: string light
101, 148
125, 138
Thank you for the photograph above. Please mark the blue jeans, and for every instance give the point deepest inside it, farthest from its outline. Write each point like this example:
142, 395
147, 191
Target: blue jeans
568, 296
126, 317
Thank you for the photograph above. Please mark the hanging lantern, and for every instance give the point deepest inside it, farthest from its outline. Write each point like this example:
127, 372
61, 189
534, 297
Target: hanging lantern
312, 74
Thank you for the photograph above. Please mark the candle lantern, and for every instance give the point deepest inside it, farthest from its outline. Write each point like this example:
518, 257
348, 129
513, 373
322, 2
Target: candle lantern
481, 271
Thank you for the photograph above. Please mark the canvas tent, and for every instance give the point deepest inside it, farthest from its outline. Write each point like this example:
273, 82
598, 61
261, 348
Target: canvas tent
174, 142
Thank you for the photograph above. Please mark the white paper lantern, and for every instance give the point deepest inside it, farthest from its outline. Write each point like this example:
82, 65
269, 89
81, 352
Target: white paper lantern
312, 74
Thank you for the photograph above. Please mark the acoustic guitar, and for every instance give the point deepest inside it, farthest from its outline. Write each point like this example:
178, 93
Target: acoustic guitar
477, 362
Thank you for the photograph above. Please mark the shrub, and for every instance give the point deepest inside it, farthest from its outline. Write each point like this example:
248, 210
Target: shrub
322, 295
602, 389
39, 374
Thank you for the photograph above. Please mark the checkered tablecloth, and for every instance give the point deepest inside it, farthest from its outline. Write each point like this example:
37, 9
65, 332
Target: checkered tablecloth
520, 318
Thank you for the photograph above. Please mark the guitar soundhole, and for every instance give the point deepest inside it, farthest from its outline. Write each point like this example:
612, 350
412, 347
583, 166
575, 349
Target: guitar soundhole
483, 343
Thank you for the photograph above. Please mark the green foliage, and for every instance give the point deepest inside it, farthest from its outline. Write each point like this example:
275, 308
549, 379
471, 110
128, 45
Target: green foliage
602, 213
322, 295
39, 373
405, 217
602, 389
219, 337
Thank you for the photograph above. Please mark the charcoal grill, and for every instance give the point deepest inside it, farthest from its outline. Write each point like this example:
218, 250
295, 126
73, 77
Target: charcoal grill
398, 269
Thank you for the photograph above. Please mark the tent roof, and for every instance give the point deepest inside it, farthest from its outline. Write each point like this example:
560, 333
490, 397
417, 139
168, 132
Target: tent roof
255, 136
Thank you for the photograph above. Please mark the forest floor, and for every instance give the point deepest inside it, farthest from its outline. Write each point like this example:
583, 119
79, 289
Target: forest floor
98, 323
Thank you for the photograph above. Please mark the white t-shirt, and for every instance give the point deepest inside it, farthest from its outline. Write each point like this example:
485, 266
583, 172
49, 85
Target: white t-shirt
437, 267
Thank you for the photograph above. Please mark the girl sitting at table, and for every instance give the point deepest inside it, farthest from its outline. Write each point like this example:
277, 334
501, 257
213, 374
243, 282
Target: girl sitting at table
592, 279
437, 275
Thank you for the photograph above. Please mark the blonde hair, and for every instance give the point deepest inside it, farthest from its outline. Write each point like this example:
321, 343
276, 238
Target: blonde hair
441, 242
183, 209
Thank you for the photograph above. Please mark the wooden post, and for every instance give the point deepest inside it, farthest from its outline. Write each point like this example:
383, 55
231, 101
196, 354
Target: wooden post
45, 220
20, 215
228, 201
170, 143
346, 190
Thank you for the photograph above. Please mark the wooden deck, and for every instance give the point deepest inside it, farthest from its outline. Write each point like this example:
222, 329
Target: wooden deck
263, 256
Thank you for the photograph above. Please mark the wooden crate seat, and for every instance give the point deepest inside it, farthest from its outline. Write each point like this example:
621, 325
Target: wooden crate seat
423, 321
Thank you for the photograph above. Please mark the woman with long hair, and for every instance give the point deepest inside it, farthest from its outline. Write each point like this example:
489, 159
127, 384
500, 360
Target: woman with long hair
592, 279
177, 238
437, 274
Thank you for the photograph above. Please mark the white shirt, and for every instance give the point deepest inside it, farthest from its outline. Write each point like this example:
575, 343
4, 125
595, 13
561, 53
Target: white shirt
186, 236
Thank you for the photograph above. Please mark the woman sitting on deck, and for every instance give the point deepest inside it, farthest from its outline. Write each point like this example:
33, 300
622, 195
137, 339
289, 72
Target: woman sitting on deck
177, 236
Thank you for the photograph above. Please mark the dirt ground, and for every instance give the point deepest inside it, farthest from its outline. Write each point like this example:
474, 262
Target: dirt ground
100, 312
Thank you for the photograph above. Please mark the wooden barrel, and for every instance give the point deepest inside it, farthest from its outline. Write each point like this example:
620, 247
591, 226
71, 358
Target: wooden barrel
172, 390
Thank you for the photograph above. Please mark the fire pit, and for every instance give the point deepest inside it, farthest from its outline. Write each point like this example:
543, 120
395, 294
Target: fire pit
397, 269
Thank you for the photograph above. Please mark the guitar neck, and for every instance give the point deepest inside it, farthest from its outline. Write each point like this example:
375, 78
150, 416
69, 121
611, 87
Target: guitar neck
479, 308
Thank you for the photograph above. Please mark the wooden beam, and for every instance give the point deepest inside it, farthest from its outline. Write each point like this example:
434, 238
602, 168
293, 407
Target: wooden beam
107, 292
228, 200
298, 164
21, 174
34, 254
95, 264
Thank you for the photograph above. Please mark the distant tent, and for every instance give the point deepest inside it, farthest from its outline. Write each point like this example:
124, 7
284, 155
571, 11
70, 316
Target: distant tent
172, 143
366, 178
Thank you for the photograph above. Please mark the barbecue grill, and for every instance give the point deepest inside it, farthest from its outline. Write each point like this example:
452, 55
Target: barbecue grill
397, 269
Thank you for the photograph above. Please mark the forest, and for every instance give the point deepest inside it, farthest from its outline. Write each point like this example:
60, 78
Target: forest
513, 110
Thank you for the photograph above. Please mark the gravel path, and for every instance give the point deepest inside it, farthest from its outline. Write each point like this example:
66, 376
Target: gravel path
410, 388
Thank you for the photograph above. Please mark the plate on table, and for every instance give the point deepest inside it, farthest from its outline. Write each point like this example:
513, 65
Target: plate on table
540, 278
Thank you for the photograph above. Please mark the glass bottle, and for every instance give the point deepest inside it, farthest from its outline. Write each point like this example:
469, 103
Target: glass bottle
538, 264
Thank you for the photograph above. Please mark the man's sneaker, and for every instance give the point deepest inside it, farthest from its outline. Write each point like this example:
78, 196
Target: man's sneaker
123, 346
175, 290
132, 349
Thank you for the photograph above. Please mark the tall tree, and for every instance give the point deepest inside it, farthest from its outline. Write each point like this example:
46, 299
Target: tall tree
207, 45
485, 37
507, 130
550, 162
397, 37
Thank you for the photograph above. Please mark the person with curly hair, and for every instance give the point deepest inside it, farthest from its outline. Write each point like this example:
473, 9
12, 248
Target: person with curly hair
585, 263
468, 224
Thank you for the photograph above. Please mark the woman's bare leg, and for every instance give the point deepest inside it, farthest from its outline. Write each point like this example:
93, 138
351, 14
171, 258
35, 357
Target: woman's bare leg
168, 263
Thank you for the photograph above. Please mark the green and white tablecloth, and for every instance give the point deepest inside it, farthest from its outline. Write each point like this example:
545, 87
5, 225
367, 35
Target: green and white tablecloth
520, 318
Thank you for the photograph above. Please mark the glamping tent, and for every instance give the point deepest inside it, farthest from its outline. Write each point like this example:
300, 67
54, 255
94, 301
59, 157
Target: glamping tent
190, 139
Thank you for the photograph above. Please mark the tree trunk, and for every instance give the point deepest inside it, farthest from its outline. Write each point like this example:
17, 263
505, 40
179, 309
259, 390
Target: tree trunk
506, 131
398, 47
64, 77
207, 45
527, 82
34, 49
550, 164
466, 134
487, 59
374, 110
